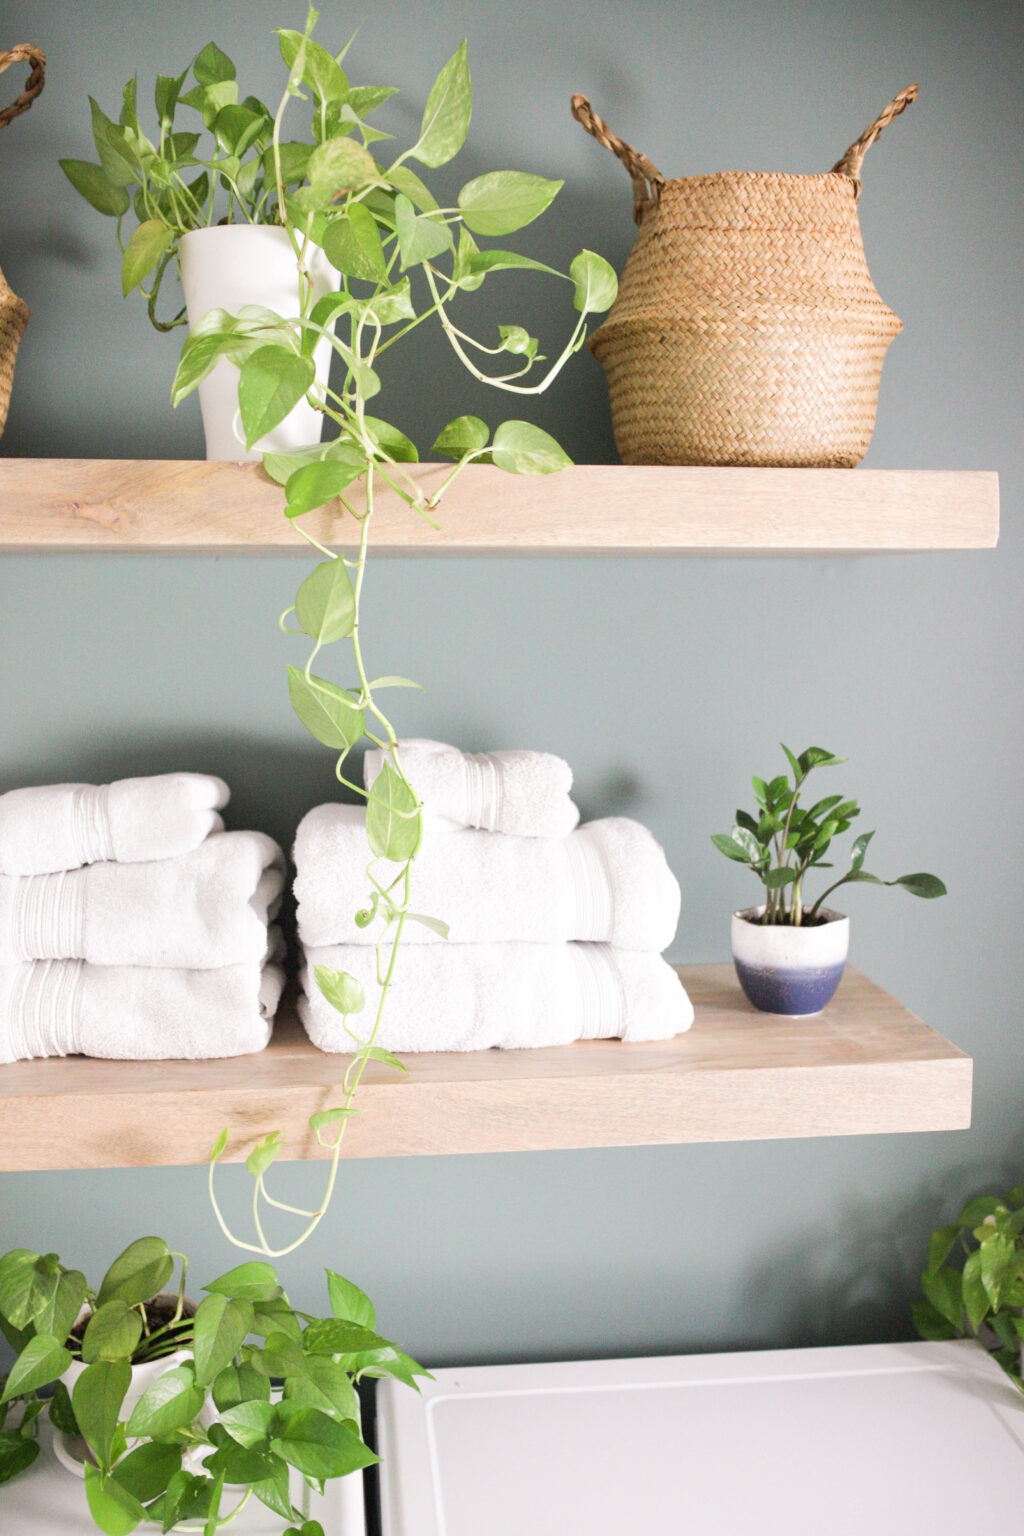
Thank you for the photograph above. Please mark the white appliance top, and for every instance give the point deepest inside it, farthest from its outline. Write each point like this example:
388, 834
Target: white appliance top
891, 1439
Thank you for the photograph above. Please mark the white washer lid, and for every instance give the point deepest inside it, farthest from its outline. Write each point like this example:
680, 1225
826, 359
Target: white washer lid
895, 1439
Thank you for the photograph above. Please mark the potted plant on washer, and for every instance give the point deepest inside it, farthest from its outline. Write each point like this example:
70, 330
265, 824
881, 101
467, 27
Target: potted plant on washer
973, 1282
173, 1412
789, 953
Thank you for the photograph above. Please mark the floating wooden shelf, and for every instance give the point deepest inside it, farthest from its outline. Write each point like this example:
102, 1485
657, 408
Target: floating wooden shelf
865, 1065
154, 505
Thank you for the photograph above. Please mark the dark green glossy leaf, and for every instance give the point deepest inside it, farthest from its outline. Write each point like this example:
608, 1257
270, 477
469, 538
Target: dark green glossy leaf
169, 1403
93, 183
28, 1282
43, 1359
928, 886
148, 244
96, 1399
137, 1274
221, 1325
349, 1303
254, 1281
111, 1333
318, 1445
352, 244
17, 1453
112, 1507
146, 1471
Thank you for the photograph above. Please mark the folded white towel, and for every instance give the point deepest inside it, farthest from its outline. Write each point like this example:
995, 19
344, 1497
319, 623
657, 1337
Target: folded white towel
510, 995
205, 909
135, 1013
523, 793
62, 826
606, 882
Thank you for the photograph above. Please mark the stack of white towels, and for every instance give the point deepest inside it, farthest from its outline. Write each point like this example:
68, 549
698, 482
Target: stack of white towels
132, 925
556, 930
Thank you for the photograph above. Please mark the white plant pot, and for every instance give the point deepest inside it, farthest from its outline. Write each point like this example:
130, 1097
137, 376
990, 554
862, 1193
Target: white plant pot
226, 267
143, 1376
787, 970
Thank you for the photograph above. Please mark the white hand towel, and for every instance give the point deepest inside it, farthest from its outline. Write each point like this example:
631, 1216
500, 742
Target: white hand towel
207, 908
135, 1013
523, 793
62, 826
510, 995
607, 882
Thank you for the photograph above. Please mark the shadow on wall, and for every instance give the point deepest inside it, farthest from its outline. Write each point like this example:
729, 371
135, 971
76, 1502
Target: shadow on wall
850, 1281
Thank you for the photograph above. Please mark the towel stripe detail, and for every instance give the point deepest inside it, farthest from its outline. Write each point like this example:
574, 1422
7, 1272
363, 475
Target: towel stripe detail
603, 1003
49, 918
90, 823
485, 790
46, 1007
592, 889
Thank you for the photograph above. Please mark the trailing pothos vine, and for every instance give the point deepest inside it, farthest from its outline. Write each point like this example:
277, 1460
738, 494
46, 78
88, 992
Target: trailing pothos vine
402, 259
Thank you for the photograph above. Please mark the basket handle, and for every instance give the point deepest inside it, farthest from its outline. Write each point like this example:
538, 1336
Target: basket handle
24, 53
850, 163
647, 179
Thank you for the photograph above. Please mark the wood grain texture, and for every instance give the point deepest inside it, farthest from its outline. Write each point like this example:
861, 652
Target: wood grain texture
153, 505
865, 1065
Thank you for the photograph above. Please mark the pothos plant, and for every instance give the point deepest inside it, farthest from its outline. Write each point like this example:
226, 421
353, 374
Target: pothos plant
783, 840
259, 1401
402, 259
973, 1283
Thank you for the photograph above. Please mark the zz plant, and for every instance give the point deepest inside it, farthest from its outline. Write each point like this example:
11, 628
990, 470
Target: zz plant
402, 259
973, 1283
783, 840
261, 1404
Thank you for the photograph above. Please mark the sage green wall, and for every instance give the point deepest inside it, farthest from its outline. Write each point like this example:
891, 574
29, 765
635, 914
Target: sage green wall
665, 682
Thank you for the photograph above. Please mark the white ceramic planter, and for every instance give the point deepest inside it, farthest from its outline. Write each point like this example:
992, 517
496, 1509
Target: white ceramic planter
787, 970
143, 1376
227, 267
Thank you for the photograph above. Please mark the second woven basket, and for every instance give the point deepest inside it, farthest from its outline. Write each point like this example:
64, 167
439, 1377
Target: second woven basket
14, 311
747, 328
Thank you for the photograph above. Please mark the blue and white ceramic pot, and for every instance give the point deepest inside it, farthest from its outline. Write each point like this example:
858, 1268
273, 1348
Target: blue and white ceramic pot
789, 970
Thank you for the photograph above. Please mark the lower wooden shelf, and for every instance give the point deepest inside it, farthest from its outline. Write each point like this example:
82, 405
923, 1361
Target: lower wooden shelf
865, 1065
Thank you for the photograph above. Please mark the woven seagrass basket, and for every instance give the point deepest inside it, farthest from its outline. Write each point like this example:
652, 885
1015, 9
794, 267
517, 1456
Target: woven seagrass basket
747, 329
14, 311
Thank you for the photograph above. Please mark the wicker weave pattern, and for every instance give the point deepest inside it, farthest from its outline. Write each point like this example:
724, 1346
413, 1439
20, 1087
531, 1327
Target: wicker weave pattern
14, 311
13, 319
747, 328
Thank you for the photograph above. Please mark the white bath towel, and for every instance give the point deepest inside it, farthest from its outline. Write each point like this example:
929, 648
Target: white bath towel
135, 1013
523, 793
510, 995
607, 882
63, 826
206, 909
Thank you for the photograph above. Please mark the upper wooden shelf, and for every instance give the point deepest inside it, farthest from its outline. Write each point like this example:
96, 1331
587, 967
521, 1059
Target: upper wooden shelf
176, 505
865, 1065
